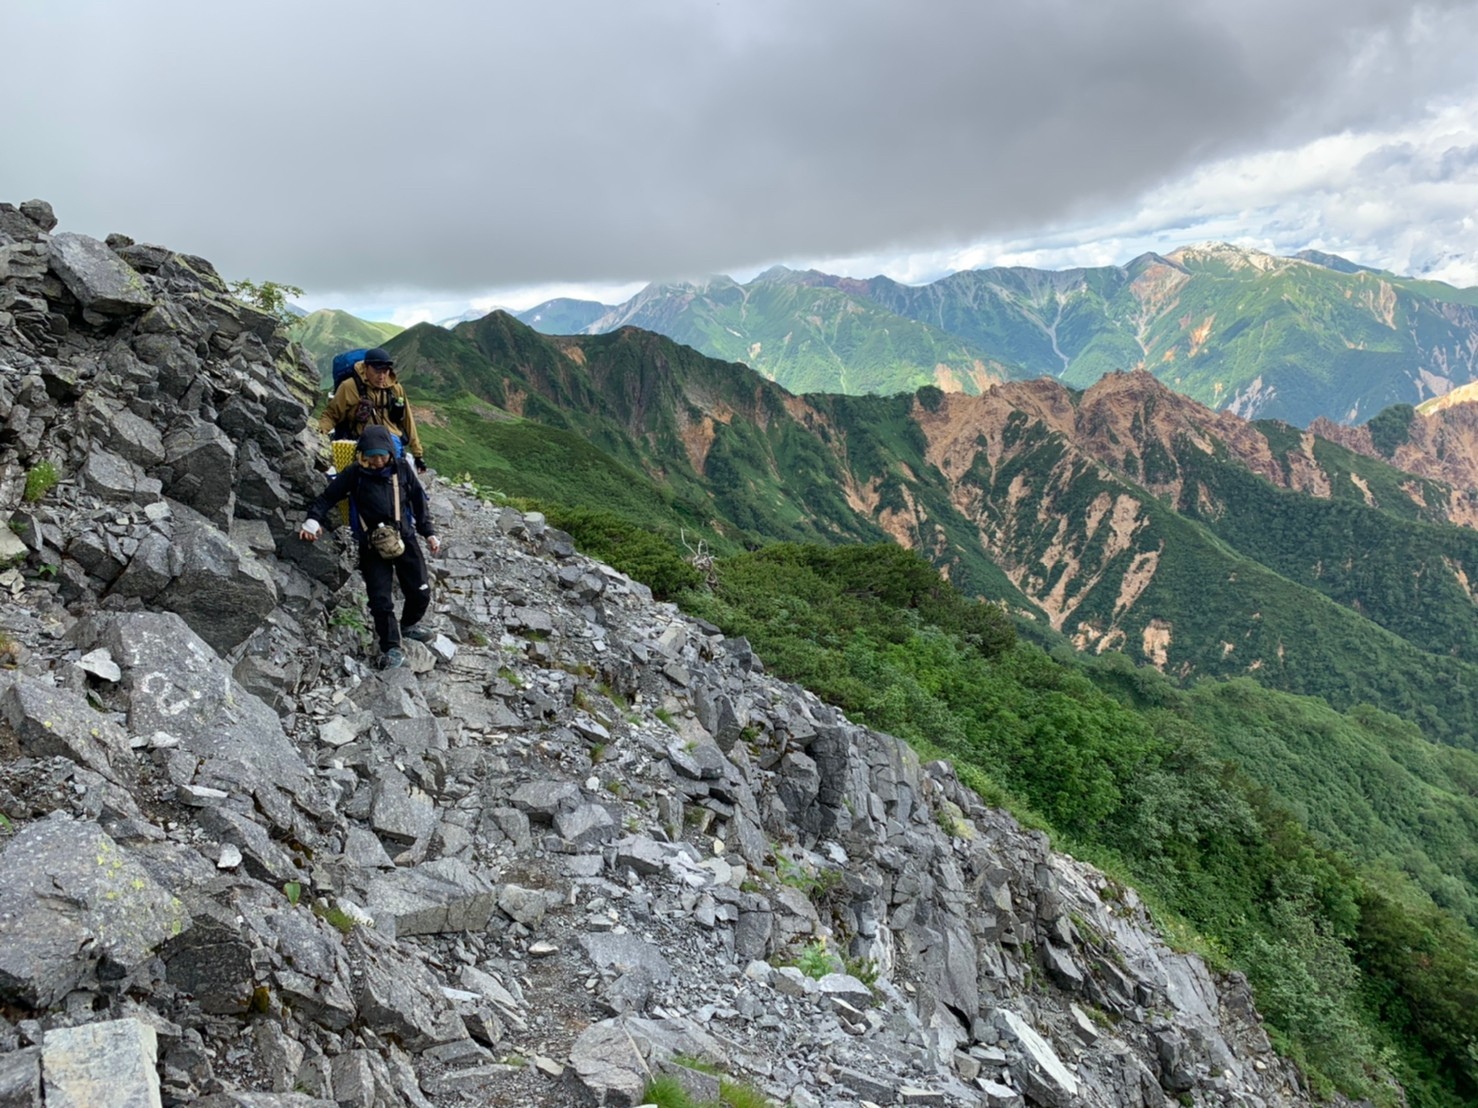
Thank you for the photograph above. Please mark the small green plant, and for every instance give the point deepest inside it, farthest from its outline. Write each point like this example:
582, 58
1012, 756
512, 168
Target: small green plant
740, 1094
350, 617
477, 638
605, 690
47, 570
5, 825
41, 478
815, 960
293, 890
665, 716
667, 1092
864, 969
335, 917
823, 888
952, 821
511, 677
597, 751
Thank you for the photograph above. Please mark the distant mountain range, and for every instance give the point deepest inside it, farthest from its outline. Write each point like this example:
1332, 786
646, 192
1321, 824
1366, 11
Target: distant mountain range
1127, 517
1262, 336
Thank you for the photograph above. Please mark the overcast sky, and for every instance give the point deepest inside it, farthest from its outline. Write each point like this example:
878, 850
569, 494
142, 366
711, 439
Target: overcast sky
412, 160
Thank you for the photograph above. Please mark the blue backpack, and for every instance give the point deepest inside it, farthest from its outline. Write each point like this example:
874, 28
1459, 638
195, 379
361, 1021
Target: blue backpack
344, 364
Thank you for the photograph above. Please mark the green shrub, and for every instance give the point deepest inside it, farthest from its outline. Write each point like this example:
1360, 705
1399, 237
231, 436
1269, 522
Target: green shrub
667, 1092
815, 960
738, 1094
40, 480
650, 558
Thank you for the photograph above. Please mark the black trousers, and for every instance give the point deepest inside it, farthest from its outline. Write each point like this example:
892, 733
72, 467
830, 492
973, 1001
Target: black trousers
379, 581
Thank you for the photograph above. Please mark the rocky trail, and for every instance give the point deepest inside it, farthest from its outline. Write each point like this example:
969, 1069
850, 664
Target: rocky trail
580, 843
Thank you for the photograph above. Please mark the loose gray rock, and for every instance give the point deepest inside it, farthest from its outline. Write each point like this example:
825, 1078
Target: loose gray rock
20, 1078
429, 899
71, 899
98, 278
111, 1063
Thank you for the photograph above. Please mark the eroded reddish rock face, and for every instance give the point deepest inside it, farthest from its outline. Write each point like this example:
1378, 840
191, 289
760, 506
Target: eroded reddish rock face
1442, 446
1129, 427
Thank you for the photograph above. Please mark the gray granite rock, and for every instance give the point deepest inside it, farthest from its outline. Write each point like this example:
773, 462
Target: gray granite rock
397, 996
111, 1063
220, 590
431, 898
586, 825
48, 721
399, 810
1040, 1071
97, 277
73, 903
201, 463
174, 682
20, 1078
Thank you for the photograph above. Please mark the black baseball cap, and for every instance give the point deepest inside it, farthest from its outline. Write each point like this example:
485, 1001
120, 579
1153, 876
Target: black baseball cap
378, 356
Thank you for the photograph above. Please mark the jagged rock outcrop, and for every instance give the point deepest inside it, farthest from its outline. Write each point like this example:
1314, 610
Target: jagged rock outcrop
581, 843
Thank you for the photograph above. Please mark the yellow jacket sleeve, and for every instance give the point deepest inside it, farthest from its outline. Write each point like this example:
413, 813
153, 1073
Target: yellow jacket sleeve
412, 440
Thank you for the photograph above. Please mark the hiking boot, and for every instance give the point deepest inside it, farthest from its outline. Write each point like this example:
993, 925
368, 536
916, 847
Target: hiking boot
417, 632
392, 658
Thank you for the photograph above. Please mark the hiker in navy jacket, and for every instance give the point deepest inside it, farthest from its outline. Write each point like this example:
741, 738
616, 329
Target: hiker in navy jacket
373, 483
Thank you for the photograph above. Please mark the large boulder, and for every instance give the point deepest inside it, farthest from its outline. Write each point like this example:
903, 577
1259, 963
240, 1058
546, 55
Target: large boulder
114, 1062
173, 682
201, 462
100, 280
48, 721
221, 590
74, 904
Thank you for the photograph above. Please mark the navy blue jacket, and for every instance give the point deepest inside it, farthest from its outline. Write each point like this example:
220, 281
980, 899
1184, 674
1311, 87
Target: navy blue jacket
370, 492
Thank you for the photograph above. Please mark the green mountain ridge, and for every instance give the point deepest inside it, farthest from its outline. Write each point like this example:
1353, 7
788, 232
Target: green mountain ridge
1294, 339
328, 332
806, 338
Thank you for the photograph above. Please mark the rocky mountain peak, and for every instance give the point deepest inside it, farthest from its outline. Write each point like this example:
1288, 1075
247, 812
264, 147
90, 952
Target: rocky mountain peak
1227, 254
582, 842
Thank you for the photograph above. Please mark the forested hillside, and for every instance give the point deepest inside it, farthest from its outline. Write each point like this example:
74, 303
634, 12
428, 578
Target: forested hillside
1126, 517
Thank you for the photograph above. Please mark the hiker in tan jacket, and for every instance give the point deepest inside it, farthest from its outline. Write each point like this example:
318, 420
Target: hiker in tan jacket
381, 402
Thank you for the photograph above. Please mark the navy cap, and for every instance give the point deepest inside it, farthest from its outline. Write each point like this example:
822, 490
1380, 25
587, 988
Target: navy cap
375, 440
378, 356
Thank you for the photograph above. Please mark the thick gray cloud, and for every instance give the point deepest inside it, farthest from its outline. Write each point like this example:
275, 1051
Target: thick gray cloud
462, 145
